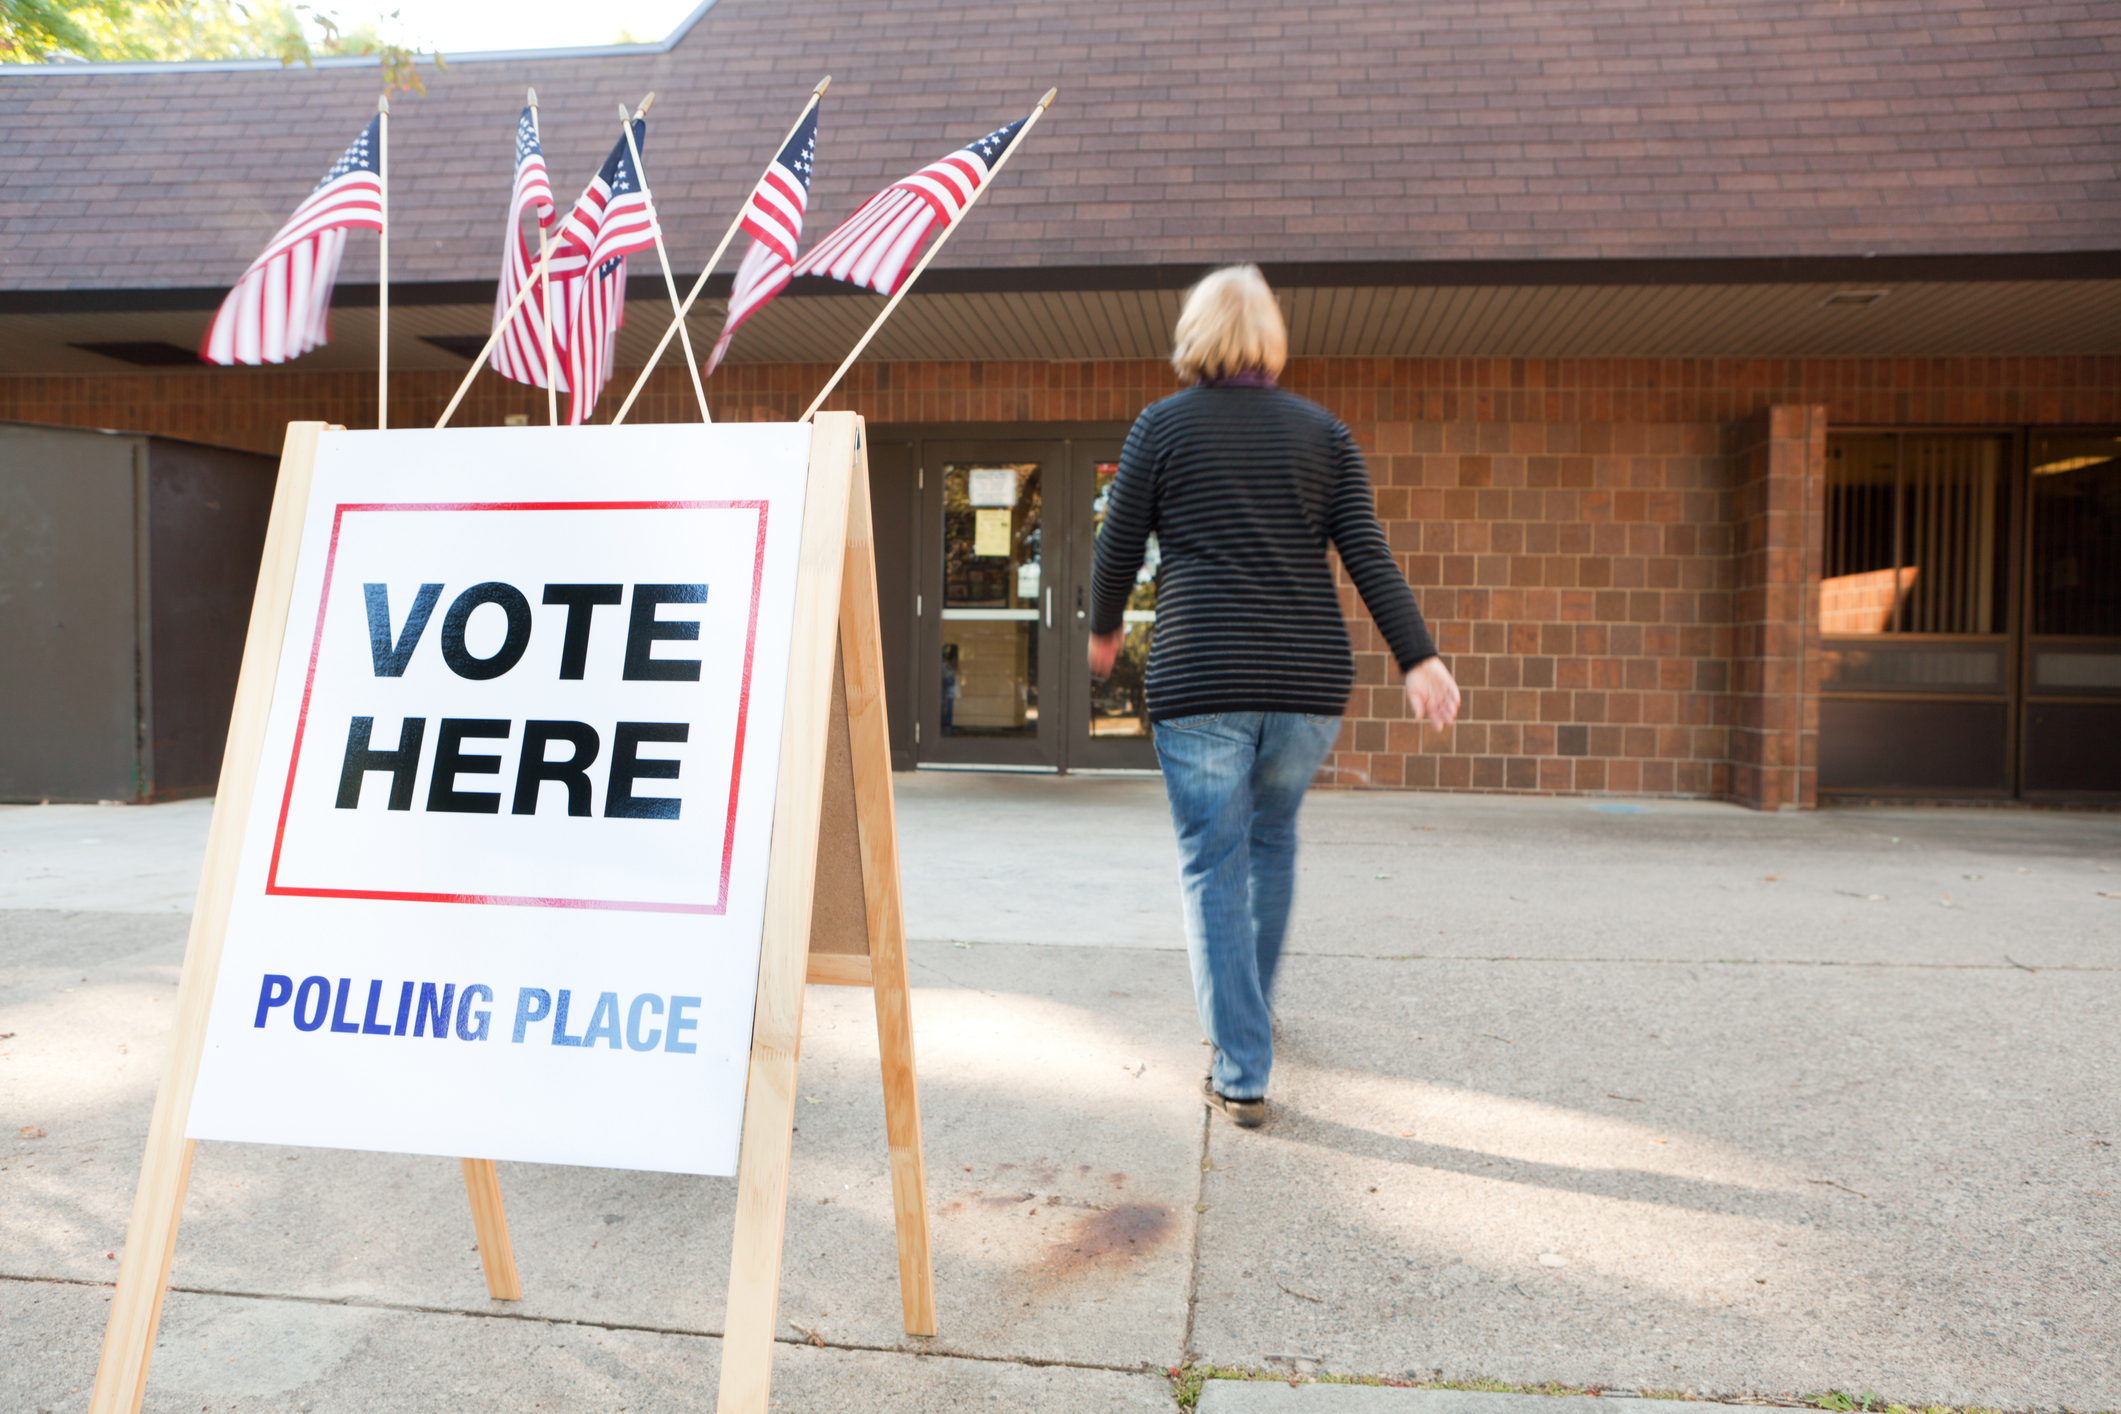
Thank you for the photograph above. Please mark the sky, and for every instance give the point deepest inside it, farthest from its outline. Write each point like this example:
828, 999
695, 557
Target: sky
470, 26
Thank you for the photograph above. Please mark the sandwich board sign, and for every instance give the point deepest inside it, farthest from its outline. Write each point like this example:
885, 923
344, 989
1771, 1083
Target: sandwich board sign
558, 765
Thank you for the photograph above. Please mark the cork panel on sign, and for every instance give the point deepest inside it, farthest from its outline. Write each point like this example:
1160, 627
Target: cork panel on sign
839, 917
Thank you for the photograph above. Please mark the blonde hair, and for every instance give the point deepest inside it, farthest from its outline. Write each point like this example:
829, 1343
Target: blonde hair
1230, 323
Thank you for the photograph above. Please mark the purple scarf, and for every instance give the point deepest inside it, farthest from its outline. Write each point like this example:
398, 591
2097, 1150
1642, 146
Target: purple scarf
1243, 378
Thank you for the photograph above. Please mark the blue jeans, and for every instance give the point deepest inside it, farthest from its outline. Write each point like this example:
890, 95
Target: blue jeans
1235, 780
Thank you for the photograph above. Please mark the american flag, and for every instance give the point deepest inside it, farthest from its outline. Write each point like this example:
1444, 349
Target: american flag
519, 352
613, 219
774, 217
614, 216
876, 245
281, 308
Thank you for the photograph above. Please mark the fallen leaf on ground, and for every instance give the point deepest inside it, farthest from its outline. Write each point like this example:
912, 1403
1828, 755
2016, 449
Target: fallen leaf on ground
30, 1131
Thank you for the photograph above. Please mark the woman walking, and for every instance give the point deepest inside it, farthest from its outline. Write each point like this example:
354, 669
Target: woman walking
1245, 486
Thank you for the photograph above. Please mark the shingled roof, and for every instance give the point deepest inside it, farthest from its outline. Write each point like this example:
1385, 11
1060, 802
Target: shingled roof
1372, 130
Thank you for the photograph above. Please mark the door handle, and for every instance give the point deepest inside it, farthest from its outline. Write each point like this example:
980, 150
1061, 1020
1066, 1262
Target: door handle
1049, 606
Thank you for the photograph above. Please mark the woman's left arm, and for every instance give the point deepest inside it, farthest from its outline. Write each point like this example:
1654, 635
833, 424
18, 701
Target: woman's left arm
1351, 518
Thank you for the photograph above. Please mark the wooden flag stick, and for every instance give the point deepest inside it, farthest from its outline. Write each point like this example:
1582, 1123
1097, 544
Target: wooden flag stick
542, 272
669, 282
383, 263
715, 259
495, 337
992, 172
552, 377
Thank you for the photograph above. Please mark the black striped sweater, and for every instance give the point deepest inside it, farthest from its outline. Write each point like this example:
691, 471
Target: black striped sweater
1244, 488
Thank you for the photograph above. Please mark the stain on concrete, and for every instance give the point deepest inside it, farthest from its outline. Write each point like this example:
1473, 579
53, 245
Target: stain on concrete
1110, 1237
1001, 1200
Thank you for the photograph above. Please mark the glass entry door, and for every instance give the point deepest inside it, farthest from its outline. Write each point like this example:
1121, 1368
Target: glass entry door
2072, 732
991, 653
1003, 608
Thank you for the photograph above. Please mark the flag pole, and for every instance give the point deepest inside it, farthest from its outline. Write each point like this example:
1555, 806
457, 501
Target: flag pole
552, 378
993, 172
669, 282
491, 339
383, 264
816, 94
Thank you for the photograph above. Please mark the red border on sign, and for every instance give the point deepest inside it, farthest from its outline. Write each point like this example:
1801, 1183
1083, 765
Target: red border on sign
736, 765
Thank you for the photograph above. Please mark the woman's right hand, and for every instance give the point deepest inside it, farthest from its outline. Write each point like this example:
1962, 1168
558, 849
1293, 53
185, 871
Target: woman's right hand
1104, 651
1432, 693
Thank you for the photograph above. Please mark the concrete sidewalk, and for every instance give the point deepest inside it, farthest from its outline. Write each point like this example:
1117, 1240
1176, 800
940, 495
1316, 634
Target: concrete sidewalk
1646, 1097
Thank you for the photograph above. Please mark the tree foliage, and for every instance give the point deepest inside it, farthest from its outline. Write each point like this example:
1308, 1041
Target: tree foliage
46, 31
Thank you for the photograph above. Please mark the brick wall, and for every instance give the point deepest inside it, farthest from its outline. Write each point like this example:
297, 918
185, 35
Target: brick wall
1577, 577
1612, 552
1779, 467
250, 408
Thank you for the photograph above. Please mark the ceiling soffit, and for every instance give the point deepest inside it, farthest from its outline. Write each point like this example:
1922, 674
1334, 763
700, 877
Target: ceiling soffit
1924, 319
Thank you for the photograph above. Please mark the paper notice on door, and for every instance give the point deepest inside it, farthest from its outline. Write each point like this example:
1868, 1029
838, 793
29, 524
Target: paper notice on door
990, 533
993, 486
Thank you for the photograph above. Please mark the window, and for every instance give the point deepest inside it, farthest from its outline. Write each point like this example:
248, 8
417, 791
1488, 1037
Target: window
1915, 530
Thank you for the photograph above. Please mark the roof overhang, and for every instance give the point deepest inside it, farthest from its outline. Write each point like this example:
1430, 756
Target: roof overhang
1923, 306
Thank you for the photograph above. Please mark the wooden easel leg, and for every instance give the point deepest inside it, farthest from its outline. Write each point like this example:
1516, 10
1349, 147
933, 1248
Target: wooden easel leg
791, 878
165, 1167
761, 1219
869, 746
143, 1276
902, 1131
496, 1254
169, 1256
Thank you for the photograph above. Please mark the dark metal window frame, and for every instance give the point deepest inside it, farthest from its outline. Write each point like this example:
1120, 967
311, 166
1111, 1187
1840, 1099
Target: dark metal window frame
2028, 691
2019, 689
2017, 542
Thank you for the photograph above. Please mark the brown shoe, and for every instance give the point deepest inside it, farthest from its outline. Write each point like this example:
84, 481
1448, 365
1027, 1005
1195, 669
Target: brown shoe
1245, 1114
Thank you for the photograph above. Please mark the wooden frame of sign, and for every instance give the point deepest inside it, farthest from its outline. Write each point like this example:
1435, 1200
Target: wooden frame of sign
833, 915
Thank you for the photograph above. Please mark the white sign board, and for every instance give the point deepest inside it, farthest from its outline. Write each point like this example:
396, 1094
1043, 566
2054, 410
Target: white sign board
502, 891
